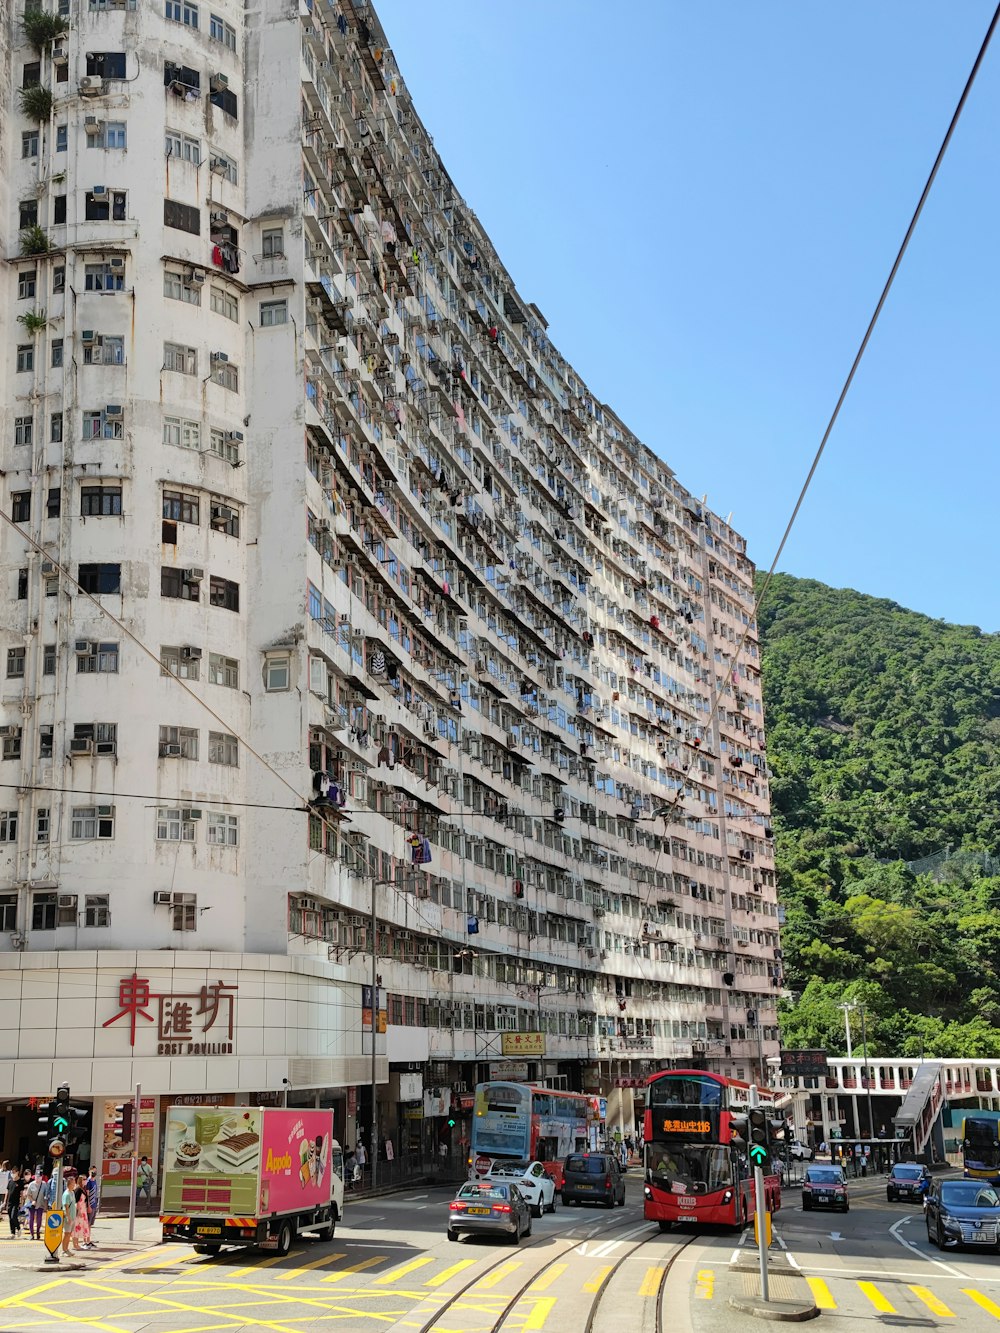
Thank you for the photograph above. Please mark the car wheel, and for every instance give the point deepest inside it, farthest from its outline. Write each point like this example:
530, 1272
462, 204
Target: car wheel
452, 1235
663, 1225
516, 1238
536, 1210
527, 1230
806, 1207
552, 1206
621, 1201
610, 1203
847, 1207
931, 1236
889, 1197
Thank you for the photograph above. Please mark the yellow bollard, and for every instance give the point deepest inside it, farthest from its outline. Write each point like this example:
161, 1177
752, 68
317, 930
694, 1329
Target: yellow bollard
767, 1229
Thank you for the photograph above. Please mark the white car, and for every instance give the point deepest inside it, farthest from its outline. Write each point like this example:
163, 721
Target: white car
532, 1180
800, 1152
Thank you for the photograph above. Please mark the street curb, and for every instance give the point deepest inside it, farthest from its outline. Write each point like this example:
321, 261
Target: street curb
790, 1312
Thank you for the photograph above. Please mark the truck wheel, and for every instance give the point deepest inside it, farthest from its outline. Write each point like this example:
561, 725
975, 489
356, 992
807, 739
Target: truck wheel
325, 1233
207, 1249
284, 1239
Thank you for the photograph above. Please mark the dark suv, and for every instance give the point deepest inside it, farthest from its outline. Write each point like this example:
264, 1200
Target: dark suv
593, 1177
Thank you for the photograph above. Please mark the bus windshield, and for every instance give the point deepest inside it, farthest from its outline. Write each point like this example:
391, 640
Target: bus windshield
981, 1149
685, 1090
689, 1169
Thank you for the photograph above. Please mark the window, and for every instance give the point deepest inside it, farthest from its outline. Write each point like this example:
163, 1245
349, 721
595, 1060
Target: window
15, 661
23, 430
171, 826
226, 101
226, 374
223, 749
179, 583
272, 243
28, 213
44, 907
12, 744
224, 518
103, 205
25, 356
273, 313
62, 138
184, 912
56, 427
8, 825
182, 434
8, 911
49, 660
277, 673
175, 286
26, 283
100, 578
103, 278
98, 425
224, 593
52, 585
224, 166
113, 135
107, 350
106, 64
20, 506
223, 831
53, 502
92, 821
183, 217
59, 278
58, 209
179, 742
57, 353
97, 910
183, 661
222, 443
180, 145
225, 304
31, 73
182, 11
42, 823
181, 507
182, 359
100, 501
223, 32
29, 143
22, 584
101, 660
224, 671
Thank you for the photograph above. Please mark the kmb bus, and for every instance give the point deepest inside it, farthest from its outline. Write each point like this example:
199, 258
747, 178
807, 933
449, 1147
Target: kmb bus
520, 1123
695, 1133
981, 1148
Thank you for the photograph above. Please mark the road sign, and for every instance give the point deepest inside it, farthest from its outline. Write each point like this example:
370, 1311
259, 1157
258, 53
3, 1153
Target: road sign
758, 1154
53, 1231
56, 1148
767, 1229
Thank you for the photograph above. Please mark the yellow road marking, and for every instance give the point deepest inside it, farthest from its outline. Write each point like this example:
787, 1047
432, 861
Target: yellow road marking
705, 1289
651, 1282
355, 1268
32, 1291
449, 1273
821, 1293
546, 1280
595, 1282
149, 1297
313, 1263
879, 1301
402, 1270
932, 1302
982, 1301
498, 1274
137, 1257
58, 1314
540, 1313
168, 1262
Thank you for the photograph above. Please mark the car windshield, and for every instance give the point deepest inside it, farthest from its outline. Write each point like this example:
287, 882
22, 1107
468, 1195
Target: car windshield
829, 1175
509, 1169
966, 1194
482, 1191
594, 1166
689, 1169
906, 1172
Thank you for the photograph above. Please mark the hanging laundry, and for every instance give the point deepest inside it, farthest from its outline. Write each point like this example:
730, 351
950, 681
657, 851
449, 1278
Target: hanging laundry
376, 664
217, 256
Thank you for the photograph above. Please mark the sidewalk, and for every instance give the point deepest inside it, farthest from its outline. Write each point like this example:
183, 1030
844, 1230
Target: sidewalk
790, 1299
110, 1234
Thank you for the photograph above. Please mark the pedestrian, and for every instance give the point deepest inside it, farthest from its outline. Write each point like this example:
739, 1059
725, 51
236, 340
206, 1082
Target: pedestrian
349, 1164
35, 1196
361, 1159
69, 1220
93, 1188
4, 1182
144, 1177
15, 1191
81, 1227
49, 1194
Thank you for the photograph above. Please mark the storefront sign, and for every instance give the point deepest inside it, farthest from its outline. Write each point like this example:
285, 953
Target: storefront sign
522, 1043
411, 1087
437, 1101
366, 1010
352, 1101
509, 1071
181, 1020
804, 1064
116, 1156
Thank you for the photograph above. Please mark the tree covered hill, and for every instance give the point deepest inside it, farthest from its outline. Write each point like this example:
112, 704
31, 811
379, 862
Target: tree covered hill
884, 741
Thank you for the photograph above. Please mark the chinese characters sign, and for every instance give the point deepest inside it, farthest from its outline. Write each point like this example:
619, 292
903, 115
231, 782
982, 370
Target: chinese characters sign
804, 1064
687, 1127
182, 1020
522, 1043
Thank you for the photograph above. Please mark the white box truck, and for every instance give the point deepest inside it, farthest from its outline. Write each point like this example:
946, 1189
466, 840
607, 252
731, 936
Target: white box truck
251, 1176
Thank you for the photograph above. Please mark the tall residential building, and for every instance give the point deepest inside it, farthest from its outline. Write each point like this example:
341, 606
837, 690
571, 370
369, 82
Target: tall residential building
332, 594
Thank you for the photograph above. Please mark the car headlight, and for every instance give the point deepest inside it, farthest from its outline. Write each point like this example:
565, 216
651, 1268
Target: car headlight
948, 1222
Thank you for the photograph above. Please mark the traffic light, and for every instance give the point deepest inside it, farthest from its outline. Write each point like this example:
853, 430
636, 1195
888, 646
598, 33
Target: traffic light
60, 1111
45, 1112
760, 1135
738, 1130
451, 1122
123, 1122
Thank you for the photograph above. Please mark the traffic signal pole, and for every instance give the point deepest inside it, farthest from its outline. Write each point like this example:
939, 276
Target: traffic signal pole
135, 1161
760, 1201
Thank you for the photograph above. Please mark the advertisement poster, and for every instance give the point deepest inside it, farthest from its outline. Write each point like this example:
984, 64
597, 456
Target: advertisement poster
212, 1159
295, 1160
116, 1157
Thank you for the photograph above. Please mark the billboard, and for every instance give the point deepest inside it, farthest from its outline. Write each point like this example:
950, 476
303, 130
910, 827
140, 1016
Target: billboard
212, 1160
803, 1064
295, 1168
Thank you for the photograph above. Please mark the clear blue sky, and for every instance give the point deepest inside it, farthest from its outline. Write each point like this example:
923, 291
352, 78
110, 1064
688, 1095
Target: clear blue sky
704, 200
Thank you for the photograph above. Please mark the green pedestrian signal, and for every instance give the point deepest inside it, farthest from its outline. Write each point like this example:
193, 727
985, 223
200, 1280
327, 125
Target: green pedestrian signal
451, 1123
758, 1154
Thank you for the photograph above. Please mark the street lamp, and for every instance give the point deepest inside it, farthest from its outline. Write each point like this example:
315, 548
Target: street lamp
868, 1080
847, 1007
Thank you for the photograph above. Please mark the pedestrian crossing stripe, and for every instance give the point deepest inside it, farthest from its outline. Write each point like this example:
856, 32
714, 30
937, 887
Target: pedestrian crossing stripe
983, 1302
880, 1302
823, 1297
822, 1294
933, 1304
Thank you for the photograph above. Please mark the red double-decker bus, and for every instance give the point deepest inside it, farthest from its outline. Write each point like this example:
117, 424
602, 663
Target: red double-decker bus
696, 1150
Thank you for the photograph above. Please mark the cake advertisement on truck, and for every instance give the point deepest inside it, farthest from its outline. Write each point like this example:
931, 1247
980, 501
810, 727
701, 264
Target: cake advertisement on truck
211, 1158
295, 1160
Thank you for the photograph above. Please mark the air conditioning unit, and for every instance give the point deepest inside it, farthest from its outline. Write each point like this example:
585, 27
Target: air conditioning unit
82, 647
113, 411
67, 900
234, 436
48, 567
197, 276
191, 815
219, 358
59, 55
193, 575
116, 263
191, 654
106, 747
218, 218
219, 166
169, 751
218, 83
98, 191
7, 731
88, 337
91, 85
161, 898
91, 127
81, 745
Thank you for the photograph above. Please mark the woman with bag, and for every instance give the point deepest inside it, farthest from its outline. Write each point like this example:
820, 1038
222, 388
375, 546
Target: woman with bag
81, 1226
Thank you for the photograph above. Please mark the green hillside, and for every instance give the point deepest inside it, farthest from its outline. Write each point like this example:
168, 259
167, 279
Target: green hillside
884, 740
